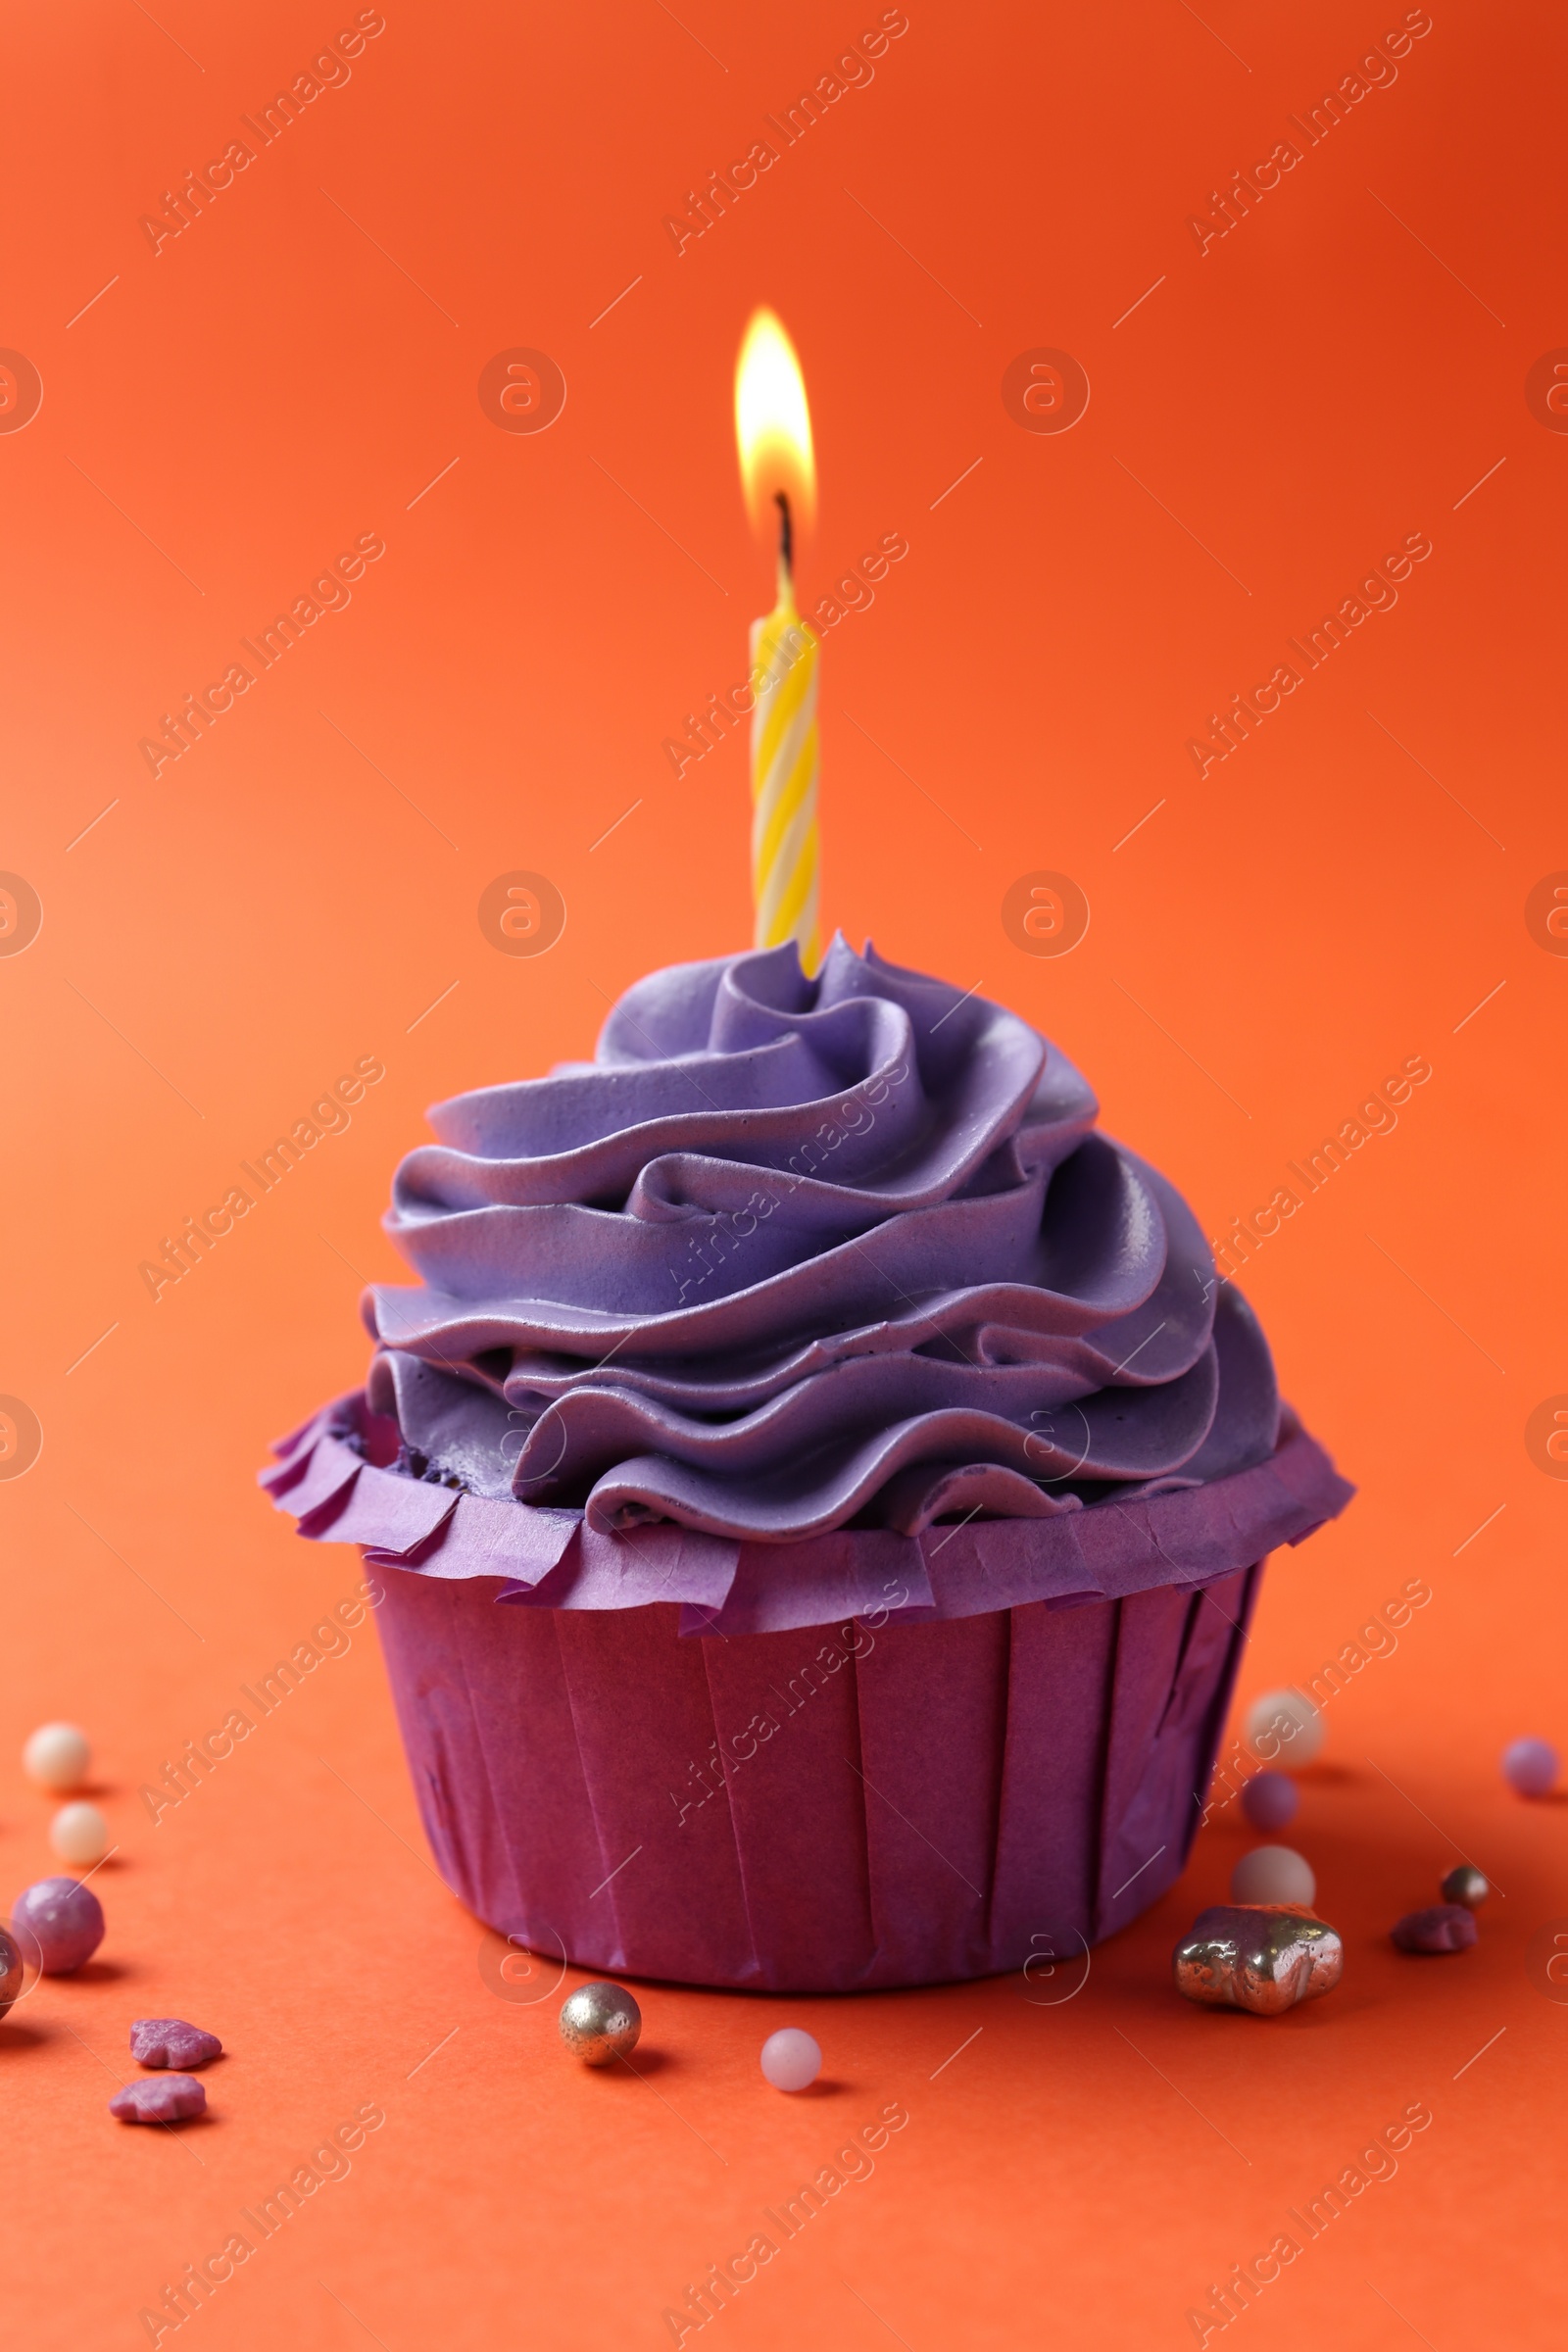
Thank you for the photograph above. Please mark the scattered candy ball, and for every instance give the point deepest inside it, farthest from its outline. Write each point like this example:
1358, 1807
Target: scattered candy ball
10, 1971
1263, 1958
65, 1919
1269, 1800
158, 2099
56, 1756
1273, 1873
1530, 1766
792, 2059
170, 2041
1446, 1928
1284, 1727
600, 2023
79, 1833
1465, 1885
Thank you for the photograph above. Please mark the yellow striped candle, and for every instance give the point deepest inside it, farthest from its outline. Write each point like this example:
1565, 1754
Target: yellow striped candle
774, 433
784, 761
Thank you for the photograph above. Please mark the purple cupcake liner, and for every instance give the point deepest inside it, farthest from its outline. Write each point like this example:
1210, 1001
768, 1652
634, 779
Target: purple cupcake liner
862, 1761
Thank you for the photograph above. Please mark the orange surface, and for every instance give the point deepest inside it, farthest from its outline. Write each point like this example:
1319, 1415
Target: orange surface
1343, 369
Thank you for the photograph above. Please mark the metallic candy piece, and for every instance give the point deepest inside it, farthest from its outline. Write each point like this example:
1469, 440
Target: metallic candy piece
600, 2023
158, 2099
10, 1971
1465, 1885
1446, 1928
1265, 1957
170, 2041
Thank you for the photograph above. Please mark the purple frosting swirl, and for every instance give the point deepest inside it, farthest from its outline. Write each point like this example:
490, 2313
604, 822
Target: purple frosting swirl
792, 1254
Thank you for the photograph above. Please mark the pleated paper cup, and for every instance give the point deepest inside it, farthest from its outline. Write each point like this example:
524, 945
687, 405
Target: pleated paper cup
867, 1760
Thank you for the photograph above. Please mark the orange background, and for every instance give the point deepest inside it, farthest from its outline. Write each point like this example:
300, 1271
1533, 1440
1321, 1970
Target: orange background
296, 891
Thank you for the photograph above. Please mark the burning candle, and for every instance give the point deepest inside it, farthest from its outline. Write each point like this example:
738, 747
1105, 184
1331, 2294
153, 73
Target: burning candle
773, 435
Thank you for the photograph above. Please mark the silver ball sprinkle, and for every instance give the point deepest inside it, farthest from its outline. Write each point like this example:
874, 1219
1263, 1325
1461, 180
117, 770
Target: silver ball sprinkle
1465, 1885
600, 2023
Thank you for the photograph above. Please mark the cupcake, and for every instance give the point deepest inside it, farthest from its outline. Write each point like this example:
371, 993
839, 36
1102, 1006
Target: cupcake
817, 1488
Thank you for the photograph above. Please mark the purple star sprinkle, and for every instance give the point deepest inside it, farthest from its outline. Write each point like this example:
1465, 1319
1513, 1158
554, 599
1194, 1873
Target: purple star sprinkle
161, 2099
171, 2042
1445, 1928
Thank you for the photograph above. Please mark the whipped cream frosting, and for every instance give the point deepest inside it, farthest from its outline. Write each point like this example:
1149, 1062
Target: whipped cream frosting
793, 1254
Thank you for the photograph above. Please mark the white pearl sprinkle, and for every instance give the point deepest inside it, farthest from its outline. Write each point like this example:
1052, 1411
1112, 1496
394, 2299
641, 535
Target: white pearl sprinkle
56, 1756
1273, 1873
792, 2059
1285, 1729
79, 1833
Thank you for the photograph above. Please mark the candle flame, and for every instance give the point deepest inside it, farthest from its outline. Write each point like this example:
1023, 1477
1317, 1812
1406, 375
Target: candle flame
773, 424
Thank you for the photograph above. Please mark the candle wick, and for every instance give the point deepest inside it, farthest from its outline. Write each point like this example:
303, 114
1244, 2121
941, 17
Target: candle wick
786, 539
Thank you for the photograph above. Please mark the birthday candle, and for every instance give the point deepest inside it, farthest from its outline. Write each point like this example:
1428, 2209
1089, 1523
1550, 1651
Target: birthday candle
784, 759
774, 431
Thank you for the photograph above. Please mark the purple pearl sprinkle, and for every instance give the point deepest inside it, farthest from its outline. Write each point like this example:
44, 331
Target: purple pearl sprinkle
171, 2042
66, 1920
1446, 1928
158, 2099
1530, 1766
1269, 1800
